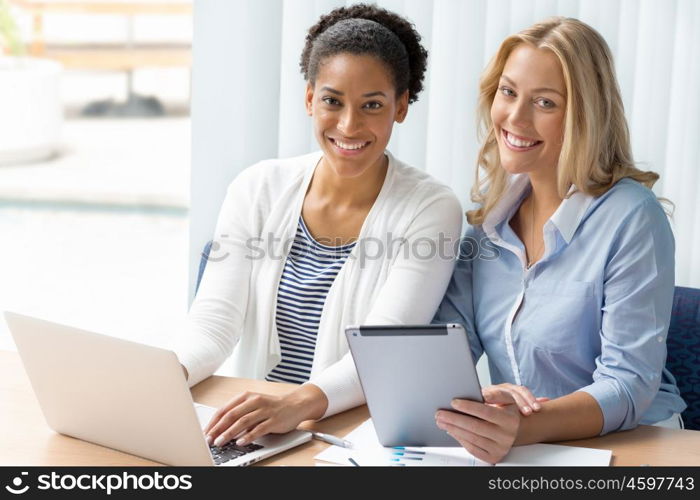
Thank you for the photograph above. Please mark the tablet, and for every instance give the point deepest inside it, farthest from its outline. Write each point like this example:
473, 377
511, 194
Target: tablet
408, 373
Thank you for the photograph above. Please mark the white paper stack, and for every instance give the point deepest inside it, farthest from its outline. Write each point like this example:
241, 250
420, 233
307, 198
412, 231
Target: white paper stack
367, 451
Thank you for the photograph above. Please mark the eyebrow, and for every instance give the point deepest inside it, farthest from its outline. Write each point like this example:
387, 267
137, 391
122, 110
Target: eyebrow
338, 92
541, 89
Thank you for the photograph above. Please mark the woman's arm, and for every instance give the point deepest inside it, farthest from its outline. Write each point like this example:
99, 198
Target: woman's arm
457, 305
488, 431
638, 292
574, 416
411, 293
216, 317
637, 302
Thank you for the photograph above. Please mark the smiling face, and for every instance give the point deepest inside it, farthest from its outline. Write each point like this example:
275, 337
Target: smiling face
528, 111
354, 106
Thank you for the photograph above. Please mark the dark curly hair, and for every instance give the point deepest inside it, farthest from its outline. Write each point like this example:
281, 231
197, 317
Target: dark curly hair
368, 29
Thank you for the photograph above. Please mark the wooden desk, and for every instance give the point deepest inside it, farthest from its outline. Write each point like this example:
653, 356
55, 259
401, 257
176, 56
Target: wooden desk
27, 440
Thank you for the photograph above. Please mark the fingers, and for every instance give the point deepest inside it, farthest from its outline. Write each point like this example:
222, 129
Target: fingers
513, 394
238, 419
235, 417
250, 436
477, 418
238, 429
475, 444
482, 411
528, 397
224, 410
525, 405
487, 432
501, 395
250, 416
466, 424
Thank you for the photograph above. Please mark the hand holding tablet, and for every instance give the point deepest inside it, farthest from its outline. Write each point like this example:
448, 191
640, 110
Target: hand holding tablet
408, 373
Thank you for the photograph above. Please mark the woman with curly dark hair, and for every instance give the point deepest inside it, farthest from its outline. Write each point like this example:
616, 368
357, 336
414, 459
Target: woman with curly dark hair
372, 239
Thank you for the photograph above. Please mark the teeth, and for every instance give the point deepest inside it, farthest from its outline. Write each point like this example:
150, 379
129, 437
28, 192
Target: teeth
344, 145
517, 142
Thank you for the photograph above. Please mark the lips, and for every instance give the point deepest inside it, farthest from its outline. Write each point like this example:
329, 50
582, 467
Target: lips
517, 142
348, 147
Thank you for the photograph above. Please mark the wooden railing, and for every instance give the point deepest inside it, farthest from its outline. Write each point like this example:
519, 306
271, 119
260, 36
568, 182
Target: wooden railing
124, 56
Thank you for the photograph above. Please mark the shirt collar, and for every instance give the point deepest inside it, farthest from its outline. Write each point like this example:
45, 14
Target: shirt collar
566, 219
570, 213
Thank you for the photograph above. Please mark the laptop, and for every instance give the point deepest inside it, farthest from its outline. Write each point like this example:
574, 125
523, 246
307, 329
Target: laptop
124, 395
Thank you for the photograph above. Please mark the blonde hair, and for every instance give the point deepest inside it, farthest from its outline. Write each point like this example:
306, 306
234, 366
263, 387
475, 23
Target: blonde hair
596, 151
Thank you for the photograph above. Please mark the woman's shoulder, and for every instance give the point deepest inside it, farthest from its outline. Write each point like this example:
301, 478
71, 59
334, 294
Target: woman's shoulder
416, 184
627, 196
627, 201
413, 198
411, 175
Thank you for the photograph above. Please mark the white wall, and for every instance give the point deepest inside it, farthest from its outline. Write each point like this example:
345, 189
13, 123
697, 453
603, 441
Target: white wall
233, 125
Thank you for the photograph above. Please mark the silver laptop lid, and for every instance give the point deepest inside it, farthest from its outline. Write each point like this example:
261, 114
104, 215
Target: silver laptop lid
113, 392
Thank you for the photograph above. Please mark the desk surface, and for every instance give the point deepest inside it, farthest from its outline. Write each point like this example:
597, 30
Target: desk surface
31, 442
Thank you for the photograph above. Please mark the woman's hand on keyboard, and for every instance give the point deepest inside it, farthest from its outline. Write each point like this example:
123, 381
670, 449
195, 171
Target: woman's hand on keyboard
251, 415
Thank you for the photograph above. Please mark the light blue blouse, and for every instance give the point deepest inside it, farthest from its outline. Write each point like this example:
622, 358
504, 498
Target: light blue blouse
591, 315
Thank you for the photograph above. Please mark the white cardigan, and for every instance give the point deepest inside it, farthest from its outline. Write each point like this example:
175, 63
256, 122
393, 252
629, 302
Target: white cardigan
380, 283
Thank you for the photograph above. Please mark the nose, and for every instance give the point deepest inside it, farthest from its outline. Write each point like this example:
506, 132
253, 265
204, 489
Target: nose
520, 114
350, 121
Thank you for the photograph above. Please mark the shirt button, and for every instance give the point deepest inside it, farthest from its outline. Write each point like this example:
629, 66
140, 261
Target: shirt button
660, 338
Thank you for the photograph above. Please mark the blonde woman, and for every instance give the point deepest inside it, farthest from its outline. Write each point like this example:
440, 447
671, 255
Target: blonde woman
570, 256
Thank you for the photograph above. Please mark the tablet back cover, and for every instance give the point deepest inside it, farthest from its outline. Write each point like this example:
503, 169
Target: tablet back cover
408, 373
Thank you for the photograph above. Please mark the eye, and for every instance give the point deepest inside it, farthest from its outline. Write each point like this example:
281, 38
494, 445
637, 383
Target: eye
331, 101
545, 103
373, 105
506, 91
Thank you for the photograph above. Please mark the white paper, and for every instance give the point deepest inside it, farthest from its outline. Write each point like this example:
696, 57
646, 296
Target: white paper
367, 451
553, 455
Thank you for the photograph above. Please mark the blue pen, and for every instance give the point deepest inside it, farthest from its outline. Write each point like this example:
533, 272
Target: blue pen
404, 450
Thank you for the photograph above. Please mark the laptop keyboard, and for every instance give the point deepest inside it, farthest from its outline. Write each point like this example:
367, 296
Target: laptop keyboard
230, 450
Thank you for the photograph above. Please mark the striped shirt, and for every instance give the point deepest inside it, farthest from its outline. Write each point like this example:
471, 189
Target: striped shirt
308, 274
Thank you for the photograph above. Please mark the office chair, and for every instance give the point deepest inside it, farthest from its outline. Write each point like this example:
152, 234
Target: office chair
683, 344
202, 264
